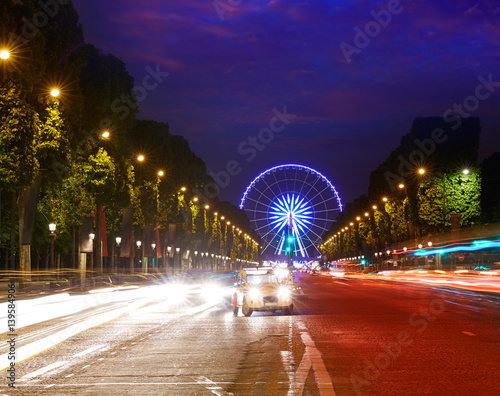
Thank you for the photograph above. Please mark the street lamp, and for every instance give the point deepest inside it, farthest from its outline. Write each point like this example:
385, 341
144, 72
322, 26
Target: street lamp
421, 171
4, 54
52, 229
153, 245
118, 241
429, 244
92, 235
139, 244
55, 93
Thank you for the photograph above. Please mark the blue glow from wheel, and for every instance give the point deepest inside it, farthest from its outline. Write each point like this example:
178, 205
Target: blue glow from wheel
252, 184
291, 208
291, 200
295, 212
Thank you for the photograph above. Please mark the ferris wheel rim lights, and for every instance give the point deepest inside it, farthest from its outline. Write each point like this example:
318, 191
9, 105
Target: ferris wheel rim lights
329, 183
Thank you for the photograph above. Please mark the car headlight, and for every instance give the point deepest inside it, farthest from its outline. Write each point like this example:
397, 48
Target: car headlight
284, 292
254, 293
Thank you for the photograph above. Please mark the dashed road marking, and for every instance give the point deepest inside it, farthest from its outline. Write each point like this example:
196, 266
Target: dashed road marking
44, 370
90, 350
213, 387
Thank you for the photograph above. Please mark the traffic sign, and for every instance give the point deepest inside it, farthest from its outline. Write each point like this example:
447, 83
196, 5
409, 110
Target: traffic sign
461, 257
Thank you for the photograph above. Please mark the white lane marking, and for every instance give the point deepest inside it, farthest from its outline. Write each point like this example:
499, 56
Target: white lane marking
90, 350
70, 375
84, 367
44, 370
50, 386
342, 283
475, 309
312, 359
469, 333
302, 374
214, 387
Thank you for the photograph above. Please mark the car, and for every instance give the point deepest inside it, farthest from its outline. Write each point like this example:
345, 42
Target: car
259, 289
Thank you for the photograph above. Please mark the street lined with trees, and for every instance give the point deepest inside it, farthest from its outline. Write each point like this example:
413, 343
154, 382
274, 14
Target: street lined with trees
68, 152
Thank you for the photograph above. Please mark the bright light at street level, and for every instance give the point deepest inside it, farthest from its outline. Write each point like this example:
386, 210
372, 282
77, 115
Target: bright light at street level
55, 92
466, 171
105, 134
421, 171
5, 54
401, 185
140, 158
161, 173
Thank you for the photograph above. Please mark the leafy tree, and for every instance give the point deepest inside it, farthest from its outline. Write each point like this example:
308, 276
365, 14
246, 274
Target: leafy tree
19, 128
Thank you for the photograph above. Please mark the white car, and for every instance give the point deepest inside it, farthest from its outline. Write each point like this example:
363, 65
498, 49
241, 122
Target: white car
259, 289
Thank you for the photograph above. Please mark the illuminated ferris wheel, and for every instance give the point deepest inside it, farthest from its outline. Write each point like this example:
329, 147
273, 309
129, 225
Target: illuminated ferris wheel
292, 201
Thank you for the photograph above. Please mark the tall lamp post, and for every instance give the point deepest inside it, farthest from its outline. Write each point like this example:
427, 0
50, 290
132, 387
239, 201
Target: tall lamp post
139, 244
153, 245
52, 229
118, 242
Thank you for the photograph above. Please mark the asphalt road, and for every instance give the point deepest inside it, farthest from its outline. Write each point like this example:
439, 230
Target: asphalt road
350, 336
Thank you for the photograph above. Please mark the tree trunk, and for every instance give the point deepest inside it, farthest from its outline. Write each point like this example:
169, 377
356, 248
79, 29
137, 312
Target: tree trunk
98, 235
113, 243
24, 250
13, 233
73, 251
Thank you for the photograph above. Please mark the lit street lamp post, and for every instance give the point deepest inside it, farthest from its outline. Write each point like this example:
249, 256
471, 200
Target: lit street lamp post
139, 244
52, 229
118, 242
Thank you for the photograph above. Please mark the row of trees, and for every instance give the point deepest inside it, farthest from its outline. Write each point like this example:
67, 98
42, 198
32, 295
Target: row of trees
425, 187
83, 145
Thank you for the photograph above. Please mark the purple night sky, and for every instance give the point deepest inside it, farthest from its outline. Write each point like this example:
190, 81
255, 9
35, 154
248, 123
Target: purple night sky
228, 74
